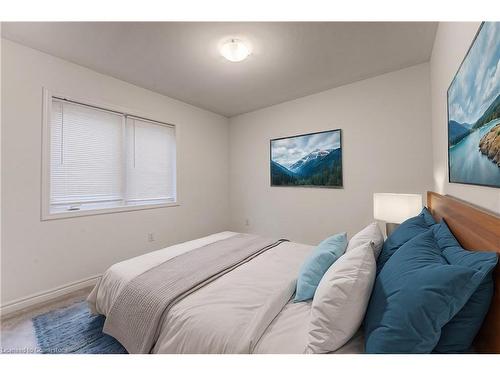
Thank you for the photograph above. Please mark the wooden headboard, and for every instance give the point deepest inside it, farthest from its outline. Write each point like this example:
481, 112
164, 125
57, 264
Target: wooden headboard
475, 229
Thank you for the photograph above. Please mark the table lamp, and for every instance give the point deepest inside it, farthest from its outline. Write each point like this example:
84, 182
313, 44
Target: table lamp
395, 208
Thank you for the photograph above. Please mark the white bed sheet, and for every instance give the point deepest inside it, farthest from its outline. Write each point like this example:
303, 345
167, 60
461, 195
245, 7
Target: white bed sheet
287, 334
230, 314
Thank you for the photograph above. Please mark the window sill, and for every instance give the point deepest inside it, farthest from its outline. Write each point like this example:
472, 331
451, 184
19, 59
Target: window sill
103, 211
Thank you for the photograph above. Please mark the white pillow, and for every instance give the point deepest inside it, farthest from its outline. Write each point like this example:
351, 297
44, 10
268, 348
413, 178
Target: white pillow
340, 302
371, 233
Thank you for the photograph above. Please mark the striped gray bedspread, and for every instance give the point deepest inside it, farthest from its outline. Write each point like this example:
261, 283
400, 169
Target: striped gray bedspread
136, 315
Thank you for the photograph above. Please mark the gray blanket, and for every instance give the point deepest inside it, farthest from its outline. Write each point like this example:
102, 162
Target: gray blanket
134, 319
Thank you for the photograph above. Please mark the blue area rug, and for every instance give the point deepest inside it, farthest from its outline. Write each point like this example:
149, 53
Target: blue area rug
74, 329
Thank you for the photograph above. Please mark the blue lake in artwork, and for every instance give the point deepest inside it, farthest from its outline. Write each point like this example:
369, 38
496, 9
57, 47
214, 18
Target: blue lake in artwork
473, 109
469, 165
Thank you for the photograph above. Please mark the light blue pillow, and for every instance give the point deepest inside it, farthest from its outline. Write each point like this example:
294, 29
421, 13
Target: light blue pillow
315, 266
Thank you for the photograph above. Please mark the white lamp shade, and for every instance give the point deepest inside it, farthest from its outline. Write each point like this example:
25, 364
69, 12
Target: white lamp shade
396, 208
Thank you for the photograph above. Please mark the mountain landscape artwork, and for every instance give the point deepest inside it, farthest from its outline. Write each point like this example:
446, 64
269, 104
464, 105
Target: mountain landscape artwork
474, 113
309, 160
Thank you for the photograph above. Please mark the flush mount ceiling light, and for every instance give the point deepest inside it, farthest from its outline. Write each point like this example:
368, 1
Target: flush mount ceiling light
235, 50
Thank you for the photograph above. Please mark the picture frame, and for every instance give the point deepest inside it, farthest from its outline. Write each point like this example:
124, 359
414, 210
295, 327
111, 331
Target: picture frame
473, 113
311, 160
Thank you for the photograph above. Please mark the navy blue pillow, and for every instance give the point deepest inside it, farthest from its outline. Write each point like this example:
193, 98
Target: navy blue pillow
414, 296
457, 335
403, 233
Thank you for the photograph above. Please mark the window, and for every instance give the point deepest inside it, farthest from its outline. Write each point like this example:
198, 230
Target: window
105, 160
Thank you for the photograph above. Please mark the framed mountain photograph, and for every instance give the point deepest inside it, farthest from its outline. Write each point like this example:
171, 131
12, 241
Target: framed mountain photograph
308, 160
474, 112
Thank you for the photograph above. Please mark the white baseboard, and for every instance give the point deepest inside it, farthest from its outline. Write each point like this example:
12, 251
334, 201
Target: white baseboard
38, 298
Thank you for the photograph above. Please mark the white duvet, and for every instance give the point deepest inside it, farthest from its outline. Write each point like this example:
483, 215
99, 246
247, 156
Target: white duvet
245, 311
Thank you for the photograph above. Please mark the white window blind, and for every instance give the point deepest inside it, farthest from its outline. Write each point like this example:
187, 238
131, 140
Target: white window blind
150, 162
104, 159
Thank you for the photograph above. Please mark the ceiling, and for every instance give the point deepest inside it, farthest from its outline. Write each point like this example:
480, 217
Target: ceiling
181, 60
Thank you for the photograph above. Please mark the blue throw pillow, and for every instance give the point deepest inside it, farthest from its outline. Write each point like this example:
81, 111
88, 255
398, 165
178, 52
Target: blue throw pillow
403, 233
457, 335
315, 266
414, 296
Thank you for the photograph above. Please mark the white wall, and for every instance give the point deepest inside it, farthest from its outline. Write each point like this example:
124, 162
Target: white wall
38, 256
387, 147
453, 39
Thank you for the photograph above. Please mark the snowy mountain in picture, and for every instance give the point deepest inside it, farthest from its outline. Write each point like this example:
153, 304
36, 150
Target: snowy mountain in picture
295, 167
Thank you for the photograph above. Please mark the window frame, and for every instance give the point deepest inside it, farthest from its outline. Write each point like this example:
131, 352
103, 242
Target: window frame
45, 214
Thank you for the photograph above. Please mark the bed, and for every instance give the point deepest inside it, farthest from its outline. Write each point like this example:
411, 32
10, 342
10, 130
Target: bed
261, 320
214, 316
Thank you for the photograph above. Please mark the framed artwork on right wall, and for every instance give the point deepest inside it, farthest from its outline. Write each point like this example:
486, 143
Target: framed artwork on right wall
474, 112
